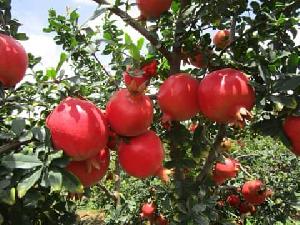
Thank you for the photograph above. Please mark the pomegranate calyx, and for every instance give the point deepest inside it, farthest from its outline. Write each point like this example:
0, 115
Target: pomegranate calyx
241, 116
91, 164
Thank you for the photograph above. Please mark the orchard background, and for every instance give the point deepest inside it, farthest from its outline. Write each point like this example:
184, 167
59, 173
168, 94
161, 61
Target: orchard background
35, 187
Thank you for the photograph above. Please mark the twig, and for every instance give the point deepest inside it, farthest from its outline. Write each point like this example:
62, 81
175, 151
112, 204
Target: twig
176, 59
107, 192
13, 145
142, 30
213, 154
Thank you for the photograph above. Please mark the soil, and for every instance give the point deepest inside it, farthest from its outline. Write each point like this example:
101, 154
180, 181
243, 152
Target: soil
90, 217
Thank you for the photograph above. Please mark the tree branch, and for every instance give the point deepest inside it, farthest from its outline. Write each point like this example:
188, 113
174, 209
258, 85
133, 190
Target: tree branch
142, 30
117, 181
107, 192
13, 145
213, 154
176, 59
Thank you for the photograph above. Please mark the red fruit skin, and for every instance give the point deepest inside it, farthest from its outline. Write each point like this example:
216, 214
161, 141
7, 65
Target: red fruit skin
253, 193
193, 127
87, 173
141, 156
291, 127
153, 8
222, 39
129, 115
78, 128
13, 61
177, 97
198, 61
233, 200
226, 170
148, 210
223, 93
161, 220
246, 207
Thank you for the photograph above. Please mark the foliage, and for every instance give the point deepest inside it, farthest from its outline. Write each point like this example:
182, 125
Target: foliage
33, 182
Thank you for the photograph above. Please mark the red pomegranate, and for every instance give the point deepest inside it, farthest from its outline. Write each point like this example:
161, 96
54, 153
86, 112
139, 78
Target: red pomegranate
141, 156
226, 170
177, 97
246, 207
78, 128
153, 8
161, 220
13, 61
222, 39
291, 127
129, 115
233, 200
92, 170
226, 97
148, 210
198, 60
255, 192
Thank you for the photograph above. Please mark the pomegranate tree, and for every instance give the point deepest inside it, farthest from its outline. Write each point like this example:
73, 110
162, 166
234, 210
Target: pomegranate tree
153, 8
291, 128
141, 156
177, 97
226, 170
222, 39
255, 192
129, 115
91, 171
13, 61
225, 96
78, 127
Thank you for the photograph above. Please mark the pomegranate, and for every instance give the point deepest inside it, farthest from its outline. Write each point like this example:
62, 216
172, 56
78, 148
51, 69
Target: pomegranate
255, 192
78, 128
177, 97
112, 140
137, 83
246, 207
141, 156
193, 127
13, 61
222, 39
226, 97
153, 8
129, 115
164, 174
291, 127
198, 60
92, 170
148, 210
161, 220
233, 200
226, 170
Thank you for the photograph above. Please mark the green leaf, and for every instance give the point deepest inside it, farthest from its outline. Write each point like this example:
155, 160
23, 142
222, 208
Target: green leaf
140, 43
202, 220
21, 161
55, 179
51, 73
289, 84
128, 40
39, 133
62, 60
18, 125
26, 183
71, 183
8, 196
293, 63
